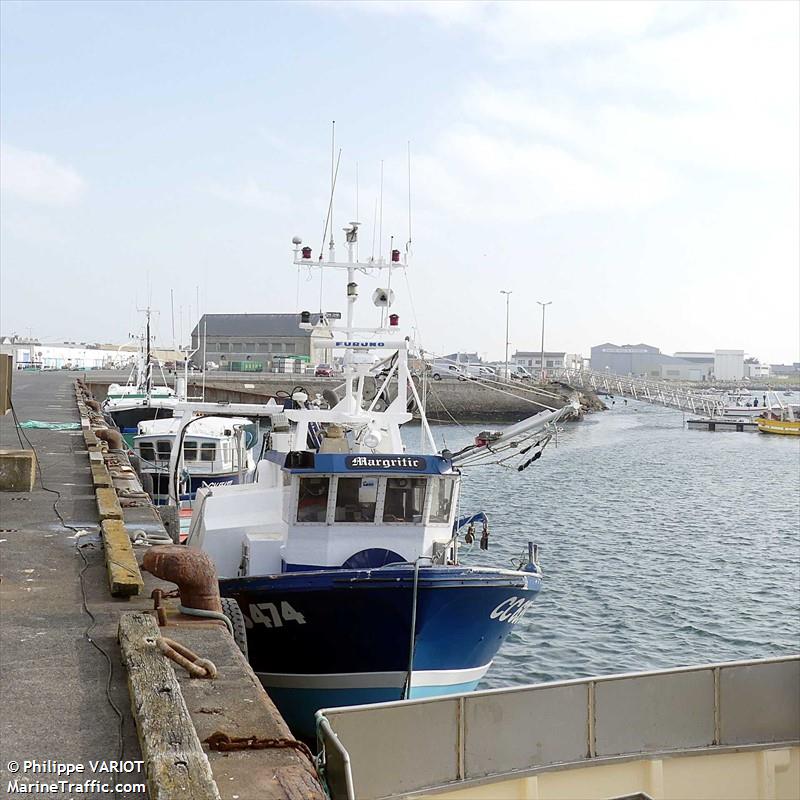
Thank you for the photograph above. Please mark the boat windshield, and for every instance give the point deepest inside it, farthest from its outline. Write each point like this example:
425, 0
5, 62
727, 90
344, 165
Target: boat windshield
312, 504
356, 499
405, 499
441, 499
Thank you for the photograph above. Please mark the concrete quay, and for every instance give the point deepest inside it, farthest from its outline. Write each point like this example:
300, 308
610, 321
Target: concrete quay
67, 694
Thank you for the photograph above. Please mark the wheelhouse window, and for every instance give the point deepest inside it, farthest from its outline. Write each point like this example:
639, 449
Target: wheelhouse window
163, 448
147, 451
208, 451
441, 499
405, 499
312, 502
356, 499
190, 451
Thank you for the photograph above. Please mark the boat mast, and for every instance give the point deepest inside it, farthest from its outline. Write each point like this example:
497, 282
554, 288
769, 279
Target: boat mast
353, 336
351, 233
148, 367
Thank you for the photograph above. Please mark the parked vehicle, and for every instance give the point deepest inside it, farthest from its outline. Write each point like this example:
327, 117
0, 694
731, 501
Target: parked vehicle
324, 371
461, 371
518, 373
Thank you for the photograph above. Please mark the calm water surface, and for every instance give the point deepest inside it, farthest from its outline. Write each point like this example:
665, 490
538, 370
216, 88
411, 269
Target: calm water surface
660, 546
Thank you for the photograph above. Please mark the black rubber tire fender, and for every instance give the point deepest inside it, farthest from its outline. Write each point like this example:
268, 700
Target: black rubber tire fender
147, 483
172, 521
230, 608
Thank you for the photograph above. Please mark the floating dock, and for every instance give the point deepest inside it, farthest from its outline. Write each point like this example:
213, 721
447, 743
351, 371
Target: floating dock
724, 424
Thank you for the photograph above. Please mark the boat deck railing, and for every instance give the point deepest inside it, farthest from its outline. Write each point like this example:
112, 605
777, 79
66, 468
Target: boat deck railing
662, 393
437, 744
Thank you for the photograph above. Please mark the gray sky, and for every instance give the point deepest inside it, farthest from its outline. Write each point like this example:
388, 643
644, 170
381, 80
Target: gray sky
635, 163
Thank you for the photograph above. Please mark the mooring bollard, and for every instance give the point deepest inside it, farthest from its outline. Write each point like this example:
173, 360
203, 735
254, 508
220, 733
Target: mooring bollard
192, 571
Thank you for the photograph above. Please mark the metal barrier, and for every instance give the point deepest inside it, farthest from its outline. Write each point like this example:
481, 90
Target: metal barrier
658, 393
391, 749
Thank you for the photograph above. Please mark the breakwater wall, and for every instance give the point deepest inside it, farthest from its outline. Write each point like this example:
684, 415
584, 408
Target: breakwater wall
447, 400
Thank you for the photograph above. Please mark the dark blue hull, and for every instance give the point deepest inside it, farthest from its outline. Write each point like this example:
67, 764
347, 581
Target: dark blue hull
161, 485
342, 637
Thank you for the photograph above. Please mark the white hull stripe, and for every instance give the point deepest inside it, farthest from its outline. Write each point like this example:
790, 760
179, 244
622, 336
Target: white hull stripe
373, 680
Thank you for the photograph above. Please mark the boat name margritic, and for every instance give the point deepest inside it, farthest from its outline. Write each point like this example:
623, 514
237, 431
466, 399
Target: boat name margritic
370, 462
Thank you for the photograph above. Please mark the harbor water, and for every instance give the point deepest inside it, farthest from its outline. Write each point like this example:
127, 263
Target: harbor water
660, 546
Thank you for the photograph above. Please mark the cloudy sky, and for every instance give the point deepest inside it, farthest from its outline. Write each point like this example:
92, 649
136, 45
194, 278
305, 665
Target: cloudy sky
634, 163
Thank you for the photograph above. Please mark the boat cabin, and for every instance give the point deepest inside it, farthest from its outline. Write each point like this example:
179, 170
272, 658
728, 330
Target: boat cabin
211, 446
314, 511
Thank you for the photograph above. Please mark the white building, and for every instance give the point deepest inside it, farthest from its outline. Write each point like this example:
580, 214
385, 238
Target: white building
754, 371
729, 365
532, 360
26, 352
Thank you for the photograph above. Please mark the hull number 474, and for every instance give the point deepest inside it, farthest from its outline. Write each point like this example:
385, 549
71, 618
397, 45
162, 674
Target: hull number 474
272, 615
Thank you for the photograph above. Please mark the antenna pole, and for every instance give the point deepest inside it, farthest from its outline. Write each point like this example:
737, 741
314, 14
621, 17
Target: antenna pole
380, 221
356, 217
408, 243
172, 310
325, 229
333, 175
374, 223
148, 370
205, 340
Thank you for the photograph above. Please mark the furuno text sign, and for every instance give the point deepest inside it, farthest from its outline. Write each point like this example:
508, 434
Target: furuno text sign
364, 344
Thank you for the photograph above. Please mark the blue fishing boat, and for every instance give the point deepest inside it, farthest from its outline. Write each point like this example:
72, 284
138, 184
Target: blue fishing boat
339, 563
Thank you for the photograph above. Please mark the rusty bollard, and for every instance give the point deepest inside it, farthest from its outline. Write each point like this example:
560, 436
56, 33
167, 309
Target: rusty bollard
114, 438
192, 571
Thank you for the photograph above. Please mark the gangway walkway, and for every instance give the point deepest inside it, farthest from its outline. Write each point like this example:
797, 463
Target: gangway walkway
658, 393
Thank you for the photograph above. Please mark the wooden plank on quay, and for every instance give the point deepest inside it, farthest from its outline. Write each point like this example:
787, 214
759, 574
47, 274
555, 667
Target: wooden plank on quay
176, 766
108, 506
124, 577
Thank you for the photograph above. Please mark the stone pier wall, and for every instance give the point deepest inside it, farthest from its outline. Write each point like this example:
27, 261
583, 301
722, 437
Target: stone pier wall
447, 399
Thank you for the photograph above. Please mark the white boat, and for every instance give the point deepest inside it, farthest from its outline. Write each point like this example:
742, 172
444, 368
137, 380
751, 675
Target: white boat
744, 411
217, 451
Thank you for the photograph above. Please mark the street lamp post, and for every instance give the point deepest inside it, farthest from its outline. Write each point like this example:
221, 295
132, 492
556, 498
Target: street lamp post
508, 299
544, 306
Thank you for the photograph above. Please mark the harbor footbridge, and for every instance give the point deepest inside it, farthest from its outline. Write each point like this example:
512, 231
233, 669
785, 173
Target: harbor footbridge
658, 393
